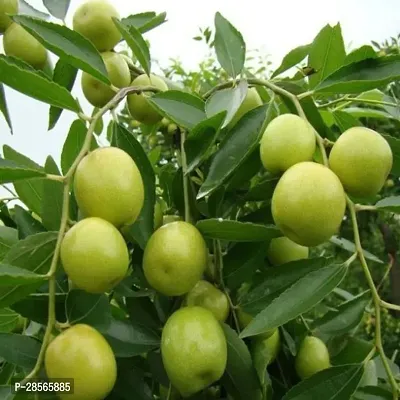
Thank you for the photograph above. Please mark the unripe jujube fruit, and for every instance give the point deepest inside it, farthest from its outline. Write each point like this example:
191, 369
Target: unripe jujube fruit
283, 250
7, 7
268, 347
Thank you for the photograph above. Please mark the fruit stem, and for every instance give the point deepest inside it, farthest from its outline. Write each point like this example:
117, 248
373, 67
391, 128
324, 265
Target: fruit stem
361, 207
375, 296
390, 306
57, 178
348, 100
185, 177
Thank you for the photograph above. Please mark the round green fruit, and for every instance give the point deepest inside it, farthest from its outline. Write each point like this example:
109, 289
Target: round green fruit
283, 250
362, 159
19, 43
287, 140
369, 377
108, 185
94, 255
167, 219
94, 20
7, 7
251, 101
138, 105
172, 128
312, 357
97, 93
165, 122
389, 183
175, 258
193, 349
308, 204
82, 354
267, 348
206, 295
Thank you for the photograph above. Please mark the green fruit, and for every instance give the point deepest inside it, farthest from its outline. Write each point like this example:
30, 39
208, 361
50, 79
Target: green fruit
245, 319
175, 258
206, 295
7, 7
158, 215
287, 141
94, 20
283, 250
312, 357
369, 377
251, 101
193, 349
308, 204
94, 255
165, 122
362, 159
135, 124
138, 105
172, 128
97, 93
81, 353
19, 43
20, 324
167, 219
108, 185
389, 183
267, 348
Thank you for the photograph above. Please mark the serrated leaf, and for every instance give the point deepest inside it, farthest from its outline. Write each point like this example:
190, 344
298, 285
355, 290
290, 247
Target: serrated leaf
21, 77
229, 46
4, 107
137, 44
67, 44
326, 53
146, 21
297, 299
27, 225
8, 237
184, 109
293, 58
11, 171
335, 383
362, 53
57, 8
8, 321
64, 74
11, 275
235, 231
52, 199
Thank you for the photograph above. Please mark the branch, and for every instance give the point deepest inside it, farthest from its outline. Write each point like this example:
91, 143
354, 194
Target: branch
185, 177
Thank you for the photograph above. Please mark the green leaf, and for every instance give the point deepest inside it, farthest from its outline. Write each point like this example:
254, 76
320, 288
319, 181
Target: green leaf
88, 308
137, 44
263, 190
342, 320
201, 139
362, 53
182, 108
67, 44
372, 393
240, 377
64, 74
57, 8
146, 21
143, 313
243, 139
30, 191
26, 9
4, 107
33, 254
326, 53
335, 383
52, 198
229, 46
344, 120
235, 231
143, 227
242, 261
27, 225
362, 76
73, 144
11, 275
129, 341
391, 203
19, 349
354, 351
22, 77
359, 112
8, 237
351, 247
11, 171
381, 371
293, 58
395, 146
297, 299
8, 320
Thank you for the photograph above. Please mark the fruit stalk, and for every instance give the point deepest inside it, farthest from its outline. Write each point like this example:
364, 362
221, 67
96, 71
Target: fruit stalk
185, 177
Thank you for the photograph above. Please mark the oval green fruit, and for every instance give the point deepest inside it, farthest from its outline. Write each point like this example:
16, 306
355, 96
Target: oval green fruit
206, 295
283, 250
7, 7
267, 348
312, 357
19, 43
287, 140
362, 159
81, 353
94, 255
97, 93
308, 204
175, 258
108, 185
193, 349
138, 106
94, 20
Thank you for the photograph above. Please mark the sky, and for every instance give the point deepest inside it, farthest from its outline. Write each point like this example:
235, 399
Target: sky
275, 27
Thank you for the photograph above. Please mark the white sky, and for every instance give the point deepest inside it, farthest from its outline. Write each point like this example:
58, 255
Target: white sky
273, 26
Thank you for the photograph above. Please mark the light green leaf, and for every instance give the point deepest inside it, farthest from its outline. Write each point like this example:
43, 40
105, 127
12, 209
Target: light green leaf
391, 204
8, 320
345, 121
146, 21
293, 58
57, 8
8, 237
359, 112
360, 54
26, 9
11, 171
11, 275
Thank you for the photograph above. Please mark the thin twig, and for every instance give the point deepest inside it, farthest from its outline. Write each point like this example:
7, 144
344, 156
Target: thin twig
185, 177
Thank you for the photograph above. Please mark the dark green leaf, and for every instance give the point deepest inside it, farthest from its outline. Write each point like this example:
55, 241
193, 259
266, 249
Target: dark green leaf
336, 383
11, 171
27, 225
263, 190
182, 108
326, 53
395, 146
293, 58
229, 46
142, 312
354, 351
8, 237
69, 45
4, 108
145, 21
8, 321
362, 53
64, 74
57, 8
11, 275
345, 121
